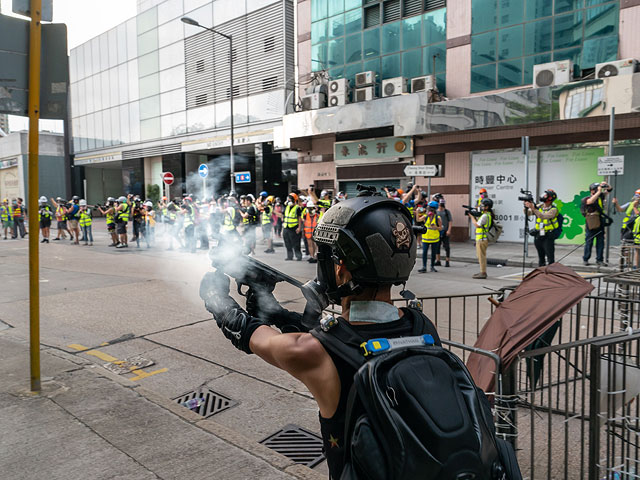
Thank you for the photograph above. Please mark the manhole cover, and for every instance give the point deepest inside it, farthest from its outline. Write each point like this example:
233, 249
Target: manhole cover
205, 402
298, 444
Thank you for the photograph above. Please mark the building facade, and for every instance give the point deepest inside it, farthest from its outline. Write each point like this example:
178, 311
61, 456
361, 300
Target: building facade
4, 123
14, 166
482, 53
152, 95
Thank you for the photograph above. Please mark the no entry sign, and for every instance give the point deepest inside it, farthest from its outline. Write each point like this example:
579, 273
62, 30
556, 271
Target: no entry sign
167, 178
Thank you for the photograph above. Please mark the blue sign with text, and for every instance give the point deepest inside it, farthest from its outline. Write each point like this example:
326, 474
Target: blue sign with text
243, 177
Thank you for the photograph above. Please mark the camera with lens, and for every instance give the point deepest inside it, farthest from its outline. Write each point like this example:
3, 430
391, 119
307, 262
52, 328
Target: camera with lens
469, 210
606, 187
526, 196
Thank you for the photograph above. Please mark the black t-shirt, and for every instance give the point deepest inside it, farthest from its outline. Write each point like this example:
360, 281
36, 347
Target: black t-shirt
333, 428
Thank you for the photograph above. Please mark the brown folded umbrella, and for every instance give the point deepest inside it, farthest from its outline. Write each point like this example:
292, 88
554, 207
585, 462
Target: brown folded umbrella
543, 297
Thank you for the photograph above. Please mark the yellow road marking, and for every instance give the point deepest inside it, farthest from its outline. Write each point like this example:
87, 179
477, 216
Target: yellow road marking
140, 374
143, 374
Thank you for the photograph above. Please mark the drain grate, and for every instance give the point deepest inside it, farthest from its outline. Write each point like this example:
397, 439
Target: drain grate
214, 402
297, 444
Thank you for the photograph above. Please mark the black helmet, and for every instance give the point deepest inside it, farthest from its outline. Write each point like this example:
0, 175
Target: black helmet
488, 202
372, 236
75, 199
594, 186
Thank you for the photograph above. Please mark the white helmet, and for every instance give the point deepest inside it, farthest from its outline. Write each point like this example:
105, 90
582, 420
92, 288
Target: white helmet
83, 202
43, 199
323, 193
148, 203
122, 199
310, 203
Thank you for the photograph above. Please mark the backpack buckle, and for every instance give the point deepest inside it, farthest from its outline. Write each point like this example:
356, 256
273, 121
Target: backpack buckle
328, 322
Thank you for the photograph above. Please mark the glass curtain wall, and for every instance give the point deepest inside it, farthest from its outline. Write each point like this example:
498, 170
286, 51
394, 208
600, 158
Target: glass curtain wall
509, 37
390, 37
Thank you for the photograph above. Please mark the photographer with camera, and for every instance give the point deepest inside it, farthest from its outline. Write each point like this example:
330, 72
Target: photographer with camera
483, 224
593, 208
433, 223
546, 226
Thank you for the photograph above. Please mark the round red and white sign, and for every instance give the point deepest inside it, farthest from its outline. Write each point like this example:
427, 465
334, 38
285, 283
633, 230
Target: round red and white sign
167, 178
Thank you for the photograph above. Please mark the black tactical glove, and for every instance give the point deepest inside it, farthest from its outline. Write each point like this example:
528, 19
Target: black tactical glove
262, 303
236, 324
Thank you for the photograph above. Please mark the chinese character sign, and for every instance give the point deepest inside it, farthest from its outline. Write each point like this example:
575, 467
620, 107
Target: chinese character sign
503, 175
374, 148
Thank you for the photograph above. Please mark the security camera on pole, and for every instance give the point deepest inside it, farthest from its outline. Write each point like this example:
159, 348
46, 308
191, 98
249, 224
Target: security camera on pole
232, 165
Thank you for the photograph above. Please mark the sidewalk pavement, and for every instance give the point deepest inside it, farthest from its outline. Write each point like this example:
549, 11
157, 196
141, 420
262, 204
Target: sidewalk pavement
89, 423
510, 254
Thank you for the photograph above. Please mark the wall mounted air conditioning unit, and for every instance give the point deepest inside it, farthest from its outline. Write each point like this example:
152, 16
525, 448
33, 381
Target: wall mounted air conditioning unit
394, 86
339, 85
365, 79
423, 84
626, 66
338, 99
314, 101
551, 74
365, 94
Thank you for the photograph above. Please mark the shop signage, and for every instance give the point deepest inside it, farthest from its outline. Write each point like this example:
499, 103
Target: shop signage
611, 165
387, 148
109, 157
12, 162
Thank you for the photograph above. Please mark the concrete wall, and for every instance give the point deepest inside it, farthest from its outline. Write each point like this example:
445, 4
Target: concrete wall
308, 173
629, 34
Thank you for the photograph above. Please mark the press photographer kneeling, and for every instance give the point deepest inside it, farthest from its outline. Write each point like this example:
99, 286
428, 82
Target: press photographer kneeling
547, 227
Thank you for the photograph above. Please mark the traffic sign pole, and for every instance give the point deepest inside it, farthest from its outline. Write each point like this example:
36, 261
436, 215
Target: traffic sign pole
610, 153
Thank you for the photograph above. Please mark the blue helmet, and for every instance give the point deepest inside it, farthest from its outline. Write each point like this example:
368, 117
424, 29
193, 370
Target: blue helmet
433, 204
263, 194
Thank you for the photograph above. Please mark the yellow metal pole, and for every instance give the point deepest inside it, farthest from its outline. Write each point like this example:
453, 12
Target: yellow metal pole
35, 39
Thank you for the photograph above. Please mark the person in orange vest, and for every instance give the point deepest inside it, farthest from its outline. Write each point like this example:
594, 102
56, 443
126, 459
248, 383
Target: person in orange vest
309, 224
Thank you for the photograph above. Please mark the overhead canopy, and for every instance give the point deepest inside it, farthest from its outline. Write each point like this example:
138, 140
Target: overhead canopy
543, 297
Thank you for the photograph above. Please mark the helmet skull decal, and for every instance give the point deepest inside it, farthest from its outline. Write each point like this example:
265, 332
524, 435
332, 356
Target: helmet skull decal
402, 234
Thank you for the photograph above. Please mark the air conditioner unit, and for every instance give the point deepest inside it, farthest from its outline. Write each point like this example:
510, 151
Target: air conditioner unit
314, 101
627, 66
319, 88
423, 84
339, 85
551, 74
365, 79
339, 98
365, 94
394, 86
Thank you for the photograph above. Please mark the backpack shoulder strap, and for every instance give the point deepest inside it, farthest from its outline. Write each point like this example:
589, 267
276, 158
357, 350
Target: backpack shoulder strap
343, 341
422, 324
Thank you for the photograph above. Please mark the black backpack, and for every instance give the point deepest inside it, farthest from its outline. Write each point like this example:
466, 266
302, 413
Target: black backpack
415, 413
556, 232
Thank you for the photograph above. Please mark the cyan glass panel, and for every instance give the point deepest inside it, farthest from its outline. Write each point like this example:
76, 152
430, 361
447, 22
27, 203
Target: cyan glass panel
349, 4
599, 50
567, 30
412, 63
510, 73
335, 26
335, 7
529, 62
353, 21
510, 42
538, 9
484, 15
350, 71
391, 37
439, 50
601, 21
148, 42
391, 66
434, 24
568, 5
318, 32
148, 64
319, 57
537, 37
353, 48
150, 107
336, 72
372, 65
319, 10
412, 32
591, 3
335, 52
483, 48
371, 43
147, 20
510, 12
572, 54
483, 78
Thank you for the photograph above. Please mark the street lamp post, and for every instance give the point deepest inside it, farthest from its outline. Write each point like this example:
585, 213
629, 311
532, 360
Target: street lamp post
232, 165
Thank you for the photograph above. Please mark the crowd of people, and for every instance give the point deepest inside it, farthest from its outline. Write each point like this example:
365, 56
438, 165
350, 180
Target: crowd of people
189, 223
